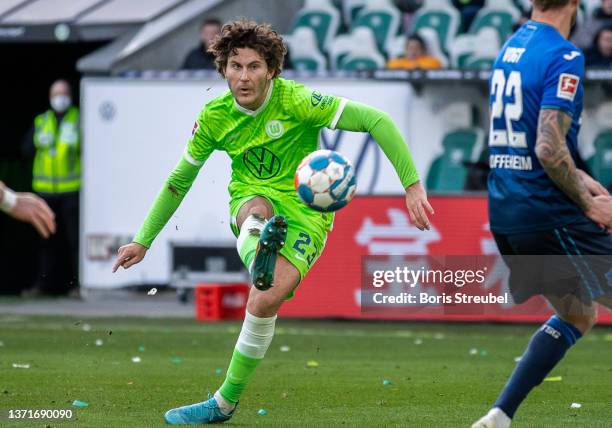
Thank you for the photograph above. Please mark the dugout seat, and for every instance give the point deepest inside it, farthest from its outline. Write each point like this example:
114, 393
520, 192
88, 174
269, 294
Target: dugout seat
305, 53
383, 18
441, 16
350, 10
601, 162
500, 15
322, 17
475, 51
447, 172
362, 53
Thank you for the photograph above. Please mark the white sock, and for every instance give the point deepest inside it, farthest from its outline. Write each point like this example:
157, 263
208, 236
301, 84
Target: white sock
255, 336
225, 406
501, 419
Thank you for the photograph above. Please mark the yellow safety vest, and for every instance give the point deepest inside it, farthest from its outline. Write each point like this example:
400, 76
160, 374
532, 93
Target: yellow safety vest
57, 164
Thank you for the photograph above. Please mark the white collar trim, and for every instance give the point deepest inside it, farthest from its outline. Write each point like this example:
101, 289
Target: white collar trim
261, 107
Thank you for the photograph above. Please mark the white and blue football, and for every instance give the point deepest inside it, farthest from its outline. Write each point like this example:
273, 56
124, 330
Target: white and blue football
325, 181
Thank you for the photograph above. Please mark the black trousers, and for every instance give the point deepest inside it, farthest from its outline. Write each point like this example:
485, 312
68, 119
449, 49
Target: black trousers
58, 261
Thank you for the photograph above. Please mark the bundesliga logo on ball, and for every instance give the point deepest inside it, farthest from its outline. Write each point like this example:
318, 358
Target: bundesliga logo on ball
325, 181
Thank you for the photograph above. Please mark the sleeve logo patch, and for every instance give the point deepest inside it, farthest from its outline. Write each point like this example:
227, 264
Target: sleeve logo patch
570, 56
315, 98
196, 125
568, 86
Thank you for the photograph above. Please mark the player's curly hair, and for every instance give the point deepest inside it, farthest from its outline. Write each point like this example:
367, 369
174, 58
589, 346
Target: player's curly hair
245, 33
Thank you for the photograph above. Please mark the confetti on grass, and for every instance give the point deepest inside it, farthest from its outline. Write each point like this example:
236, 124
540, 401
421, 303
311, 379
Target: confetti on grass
386, 382
575, 406
21, 366
312, 364
553, 379
261, 412
79, 403
136, 359
285, 348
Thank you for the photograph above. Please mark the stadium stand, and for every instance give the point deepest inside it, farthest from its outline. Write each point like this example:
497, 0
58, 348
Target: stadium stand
305, 53
322, 17
440, 16
383, 18
601, 162
500, 15
362, 53
461, 143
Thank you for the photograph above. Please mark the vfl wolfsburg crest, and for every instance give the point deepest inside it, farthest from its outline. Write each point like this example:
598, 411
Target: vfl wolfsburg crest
261, 162
274, 128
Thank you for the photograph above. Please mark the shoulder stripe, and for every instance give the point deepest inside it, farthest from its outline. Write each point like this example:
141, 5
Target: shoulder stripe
343, 102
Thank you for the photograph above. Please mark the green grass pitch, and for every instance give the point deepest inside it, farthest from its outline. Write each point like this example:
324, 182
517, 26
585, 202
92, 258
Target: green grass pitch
440, 375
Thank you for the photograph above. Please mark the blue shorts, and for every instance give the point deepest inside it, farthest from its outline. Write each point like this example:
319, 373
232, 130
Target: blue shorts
573, 259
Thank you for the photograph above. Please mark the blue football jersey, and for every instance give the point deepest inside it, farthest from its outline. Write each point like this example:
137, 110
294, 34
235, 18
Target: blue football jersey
537, 68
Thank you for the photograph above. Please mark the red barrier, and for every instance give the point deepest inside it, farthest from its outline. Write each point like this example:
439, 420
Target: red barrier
379, 225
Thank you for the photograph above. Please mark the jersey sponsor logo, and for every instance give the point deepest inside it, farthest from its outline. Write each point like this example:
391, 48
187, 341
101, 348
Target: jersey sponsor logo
315, 98
568, 86
261, 162
274, 128
570, 56
521, 163
196, 125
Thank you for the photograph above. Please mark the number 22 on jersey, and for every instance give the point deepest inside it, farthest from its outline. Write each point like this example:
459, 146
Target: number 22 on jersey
502, 89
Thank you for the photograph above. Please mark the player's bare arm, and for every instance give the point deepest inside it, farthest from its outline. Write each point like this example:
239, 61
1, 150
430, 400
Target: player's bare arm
29, 208
418, 205
553, 154
594, 186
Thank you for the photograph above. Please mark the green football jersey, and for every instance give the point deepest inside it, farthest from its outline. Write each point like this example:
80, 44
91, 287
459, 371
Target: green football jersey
266, 145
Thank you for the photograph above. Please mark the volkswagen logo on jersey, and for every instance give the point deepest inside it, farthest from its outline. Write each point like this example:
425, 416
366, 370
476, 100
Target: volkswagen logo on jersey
274, 128
261, 162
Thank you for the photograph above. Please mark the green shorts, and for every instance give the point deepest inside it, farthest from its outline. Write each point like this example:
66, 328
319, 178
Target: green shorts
307, 231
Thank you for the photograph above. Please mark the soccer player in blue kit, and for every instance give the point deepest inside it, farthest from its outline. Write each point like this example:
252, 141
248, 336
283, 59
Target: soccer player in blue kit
539, 202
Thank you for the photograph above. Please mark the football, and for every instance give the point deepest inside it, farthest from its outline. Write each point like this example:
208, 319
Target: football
325, 181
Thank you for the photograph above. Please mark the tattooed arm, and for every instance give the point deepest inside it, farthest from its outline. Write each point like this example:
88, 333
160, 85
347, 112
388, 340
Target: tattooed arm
553, 154
555, 157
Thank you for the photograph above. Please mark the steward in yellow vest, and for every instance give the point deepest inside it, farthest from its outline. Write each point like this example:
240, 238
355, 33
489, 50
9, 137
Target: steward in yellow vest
57, 163
55, 144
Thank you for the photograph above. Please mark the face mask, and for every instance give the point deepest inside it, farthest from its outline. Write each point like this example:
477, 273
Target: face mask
60, 103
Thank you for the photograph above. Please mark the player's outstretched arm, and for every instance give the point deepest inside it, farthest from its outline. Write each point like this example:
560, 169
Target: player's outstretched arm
168, 200
555, 157
29, 208
363, 118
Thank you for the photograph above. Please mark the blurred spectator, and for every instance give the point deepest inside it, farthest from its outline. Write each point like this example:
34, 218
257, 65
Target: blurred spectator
585, 33
55, 143
415, 56
600, 55
199, 58
468, 9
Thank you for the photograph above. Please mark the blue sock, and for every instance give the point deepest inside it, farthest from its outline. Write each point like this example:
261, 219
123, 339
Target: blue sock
548, 345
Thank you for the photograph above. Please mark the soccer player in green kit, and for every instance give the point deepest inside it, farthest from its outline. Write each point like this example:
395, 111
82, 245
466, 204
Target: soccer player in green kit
267, 125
